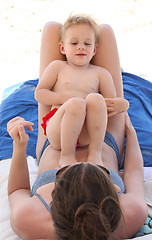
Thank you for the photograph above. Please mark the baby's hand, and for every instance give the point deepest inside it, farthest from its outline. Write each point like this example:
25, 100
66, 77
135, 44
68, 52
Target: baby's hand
15, 128
116, 105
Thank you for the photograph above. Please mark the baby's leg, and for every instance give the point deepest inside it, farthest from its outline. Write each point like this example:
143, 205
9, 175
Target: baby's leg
64, 127
96, 121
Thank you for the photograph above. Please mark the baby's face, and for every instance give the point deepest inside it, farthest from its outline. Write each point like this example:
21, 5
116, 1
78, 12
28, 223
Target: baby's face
79, 44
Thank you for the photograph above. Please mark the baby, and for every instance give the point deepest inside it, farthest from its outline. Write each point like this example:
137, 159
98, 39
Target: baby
76, 90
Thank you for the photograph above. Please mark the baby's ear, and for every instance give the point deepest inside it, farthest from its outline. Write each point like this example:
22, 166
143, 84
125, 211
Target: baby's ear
95, 49
61, 46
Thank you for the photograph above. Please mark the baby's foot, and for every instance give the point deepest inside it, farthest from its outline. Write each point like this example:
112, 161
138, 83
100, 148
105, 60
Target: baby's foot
95, 158
67, 160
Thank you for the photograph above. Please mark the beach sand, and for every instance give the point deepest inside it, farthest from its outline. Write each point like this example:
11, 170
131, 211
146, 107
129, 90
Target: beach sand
22, 21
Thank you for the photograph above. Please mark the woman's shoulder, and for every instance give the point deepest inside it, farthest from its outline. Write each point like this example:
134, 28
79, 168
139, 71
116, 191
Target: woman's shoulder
134, 215
44, 178
32, 220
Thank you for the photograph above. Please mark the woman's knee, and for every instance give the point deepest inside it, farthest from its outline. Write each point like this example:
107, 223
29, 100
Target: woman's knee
52, 26
105, 30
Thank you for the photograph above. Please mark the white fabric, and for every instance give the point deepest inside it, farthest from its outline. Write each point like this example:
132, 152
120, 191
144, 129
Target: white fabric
148, 195
6, 232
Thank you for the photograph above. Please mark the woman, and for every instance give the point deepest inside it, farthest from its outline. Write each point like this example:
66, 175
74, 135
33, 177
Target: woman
30, 216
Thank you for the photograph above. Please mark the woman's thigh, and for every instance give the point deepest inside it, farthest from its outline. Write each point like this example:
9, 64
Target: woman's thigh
49, 52
116, 126
108, 57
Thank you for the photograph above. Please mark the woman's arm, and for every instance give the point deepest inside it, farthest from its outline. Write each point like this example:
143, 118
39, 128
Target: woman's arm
133, 165
28, 219
19, 174
18, 181
133, 204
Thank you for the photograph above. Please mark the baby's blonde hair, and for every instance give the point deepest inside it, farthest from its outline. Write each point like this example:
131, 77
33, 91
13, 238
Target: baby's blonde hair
74, 20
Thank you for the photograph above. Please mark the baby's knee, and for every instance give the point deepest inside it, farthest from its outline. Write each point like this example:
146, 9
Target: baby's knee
77, 105
95, 99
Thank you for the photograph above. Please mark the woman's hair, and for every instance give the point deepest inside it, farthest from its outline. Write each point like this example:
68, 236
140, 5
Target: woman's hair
77, 20
85, 204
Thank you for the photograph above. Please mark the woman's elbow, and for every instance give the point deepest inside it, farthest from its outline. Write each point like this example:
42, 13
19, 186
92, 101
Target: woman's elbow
143, 211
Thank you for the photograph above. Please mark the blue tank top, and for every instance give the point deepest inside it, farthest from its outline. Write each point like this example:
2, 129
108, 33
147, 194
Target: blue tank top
50, 176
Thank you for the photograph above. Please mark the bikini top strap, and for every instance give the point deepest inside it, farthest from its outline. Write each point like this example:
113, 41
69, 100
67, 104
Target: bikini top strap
43, 201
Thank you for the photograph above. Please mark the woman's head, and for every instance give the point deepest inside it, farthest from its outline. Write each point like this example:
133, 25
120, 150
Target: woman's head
84, 204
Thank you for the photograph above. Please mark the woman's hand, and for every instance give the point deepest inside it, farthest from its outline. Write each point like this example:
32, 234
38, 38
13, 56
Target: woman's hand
116, 105
19, 173
15, 128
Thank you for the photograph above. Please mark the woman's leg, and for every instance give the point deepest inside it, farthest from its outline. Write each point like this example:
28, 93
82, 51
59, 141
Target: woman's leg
49, 52
107, 56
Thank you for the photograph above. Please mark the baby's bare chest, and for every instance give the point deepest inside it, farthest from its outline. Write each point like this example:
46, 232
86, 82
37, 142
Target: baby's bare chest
77, 81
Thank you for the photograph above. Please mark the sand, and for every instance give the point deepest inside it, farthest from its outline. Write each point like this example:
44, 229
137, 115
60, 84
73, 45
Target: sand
22, 21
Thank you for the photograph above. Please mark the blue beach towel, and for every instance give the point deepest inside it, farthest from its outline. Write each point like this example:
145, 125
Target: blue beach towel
21, 102
138, 92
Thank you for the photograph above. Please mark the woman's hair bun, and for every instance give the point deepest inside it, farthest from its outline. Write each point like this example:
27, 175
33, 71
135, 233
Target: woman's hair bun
95, 222
89, 223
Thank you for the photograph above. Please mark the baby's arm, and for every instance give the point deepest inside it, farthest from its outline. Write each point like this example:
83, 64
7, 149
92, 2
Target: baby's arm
107, 89
44, 93
106, 84
116, 105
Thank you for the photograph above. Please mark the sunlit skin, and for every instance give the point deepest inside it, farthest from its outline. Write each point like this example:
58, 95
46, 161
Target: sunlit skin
75, 84
79, 45
29, 217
